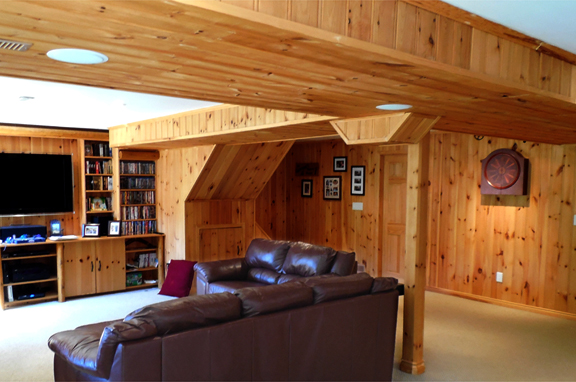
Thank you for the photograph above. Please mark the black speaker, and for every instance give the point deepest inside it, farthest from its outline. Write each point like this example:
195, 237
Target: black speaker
19, 230
6, 273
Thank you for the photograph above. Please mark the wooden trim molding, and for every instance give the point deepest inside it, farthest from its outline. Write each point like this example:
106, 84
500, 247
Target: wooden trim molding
47, 132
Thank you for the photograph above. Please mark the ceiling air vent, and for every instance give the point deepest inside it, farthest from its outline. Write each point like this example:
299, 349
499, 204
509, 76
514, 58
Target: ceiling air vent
15, 45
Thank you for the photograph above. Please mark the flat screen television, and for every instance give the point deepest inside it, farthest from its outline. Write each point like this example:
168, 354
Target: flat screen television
36, 184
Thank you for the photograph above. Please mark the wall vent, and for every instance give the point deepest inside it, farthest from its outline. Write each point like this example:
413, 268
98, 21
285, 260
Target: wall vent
15, 45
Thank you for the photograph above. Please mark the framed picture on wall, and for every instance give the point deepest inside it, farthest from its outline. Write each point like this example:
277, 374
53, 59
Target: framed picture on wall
306, 188
332, 187
340, 164
358, 179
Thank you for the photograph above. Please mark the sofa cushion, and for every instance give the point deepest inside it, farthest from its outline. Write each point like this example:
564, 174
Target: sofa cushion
308, 260
273, 298
384, 284
232, 286
286, 278
230, 269
190, 312
263, 275
343, 263
179, 278
269, 254
335, 288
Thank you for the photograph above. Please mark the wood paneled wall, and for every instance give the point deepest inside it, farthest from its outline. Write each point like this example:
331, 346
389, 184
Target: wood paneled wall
177, 171
12, 144
411, 29
530, 239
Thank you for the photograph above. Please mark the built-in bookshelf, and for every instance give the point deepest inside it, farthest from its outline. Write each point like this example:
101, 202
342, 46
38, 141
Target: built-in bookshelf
98, 183
142, 262
138, 193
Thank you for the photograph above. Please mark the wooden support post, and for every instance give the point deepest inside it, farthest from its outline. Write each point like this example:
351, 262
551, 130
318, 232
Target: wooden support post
415, 261
60, 269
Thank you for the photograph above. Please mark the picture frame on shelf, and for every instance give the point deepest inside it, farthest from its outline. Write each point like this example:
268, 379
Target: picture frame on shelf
113, 228
358, 180
306, 188
98, 203
88, 150
332, 188
340, 164
90, 230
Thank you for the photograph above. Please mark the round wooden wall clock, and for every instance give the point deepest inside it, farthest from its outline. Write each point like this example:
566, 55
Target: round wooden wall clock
504, 172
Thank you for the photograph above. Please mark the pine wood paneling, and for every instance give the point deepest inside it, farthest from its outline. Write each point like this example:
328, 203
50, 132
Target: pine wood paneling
528, 238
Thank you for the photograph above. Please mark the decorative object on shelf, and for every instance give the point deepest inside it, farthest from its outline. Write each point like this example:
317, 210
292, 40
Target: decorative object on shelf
98, 204
56, 228
306, 188
358, 180
504, 172
113, 228
332, 187
90, 230
340, 164
307, 169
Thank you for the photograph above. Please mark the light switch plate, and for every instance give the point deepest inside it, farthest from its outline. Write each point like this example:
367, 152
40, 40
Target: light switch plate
359, 206
499, 277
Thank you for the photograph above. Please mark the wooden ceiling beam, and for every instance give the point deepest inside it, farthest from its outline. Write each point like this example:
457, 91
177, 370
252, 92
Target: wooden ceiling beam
400, 128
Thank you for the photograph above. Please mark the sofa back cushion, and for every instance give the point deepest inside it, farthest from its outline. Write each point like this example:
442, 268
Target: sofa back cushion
384, 284
263, 275
269, 254
308, 260
343, 263
273, 298
189, 312
335, 288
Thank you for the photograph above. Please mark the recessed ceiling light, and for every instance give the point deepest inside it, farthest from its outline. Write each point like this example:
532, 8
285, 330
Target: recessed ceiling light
77, 56
394, 106
25, 98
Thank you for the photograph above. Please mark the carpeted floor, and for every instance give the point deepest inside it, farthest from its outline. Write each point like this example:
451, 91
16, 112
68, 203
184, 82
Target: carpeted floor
464, 340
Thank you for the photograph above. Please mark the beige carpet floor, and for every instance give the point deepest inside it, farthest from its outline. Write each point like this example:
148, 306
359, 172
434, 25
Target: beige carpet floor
464, 340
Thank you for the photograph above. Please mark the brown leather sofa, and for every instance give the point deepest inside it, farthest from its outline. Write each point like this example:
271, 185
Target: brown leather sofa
321, 328
270, 262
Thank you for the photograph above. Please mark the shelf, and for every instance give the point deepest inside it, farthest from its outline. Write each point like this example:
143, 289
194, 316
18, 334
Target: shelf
99, 174
32, 282
141, 286
94, 191
28, 257
138, 205
138, 175
96, 158
141, 250
49, 296
137, 189
100, 212
141, 269
138, 220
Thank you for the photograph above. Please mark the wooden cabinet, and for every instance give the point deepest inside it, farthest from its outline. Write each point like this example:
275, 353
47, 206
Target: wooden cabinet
144, 262
21, 257
95, 266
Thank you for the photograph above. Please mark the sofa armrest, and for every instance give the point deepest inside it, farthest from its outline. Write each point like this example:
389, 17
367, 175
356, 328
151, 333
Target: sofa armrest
91, 348
229, 270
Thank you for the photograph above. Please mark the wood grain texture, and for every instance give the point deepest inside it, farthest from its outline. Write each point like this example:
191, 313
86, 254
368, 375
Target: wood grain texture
359, 54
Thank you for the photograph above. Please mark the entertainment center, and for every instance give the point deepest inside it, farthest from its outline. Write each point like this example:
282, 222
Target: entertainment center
82, 186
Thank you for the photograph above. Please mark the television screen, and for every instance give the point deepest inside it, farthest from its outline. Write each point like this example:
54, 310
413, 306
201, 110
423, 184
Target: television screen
34, 184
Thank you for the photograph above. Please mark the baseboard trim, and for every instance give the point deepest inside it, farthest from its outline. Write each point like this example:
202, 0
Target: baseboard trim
508, 304
410, 367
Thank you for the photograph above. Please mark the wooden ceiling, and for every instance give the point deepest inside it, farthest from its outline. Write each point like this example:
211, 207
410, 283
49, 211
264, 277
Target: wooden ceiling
218, 52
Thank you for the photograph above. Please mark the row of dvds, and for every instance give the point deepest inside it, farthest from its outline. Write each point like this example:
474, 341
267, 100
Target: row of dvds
98, 167
134, 213
137, 167
138, 183
138, 228
137, 197
100, 183
101, 149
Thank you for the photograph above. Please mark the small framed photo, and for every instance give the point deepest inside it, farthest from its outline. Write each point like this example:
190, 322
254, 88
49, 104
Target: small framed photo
113, 228
332, 187
88, 150
358, 180
306, 188
340, 164
90, 230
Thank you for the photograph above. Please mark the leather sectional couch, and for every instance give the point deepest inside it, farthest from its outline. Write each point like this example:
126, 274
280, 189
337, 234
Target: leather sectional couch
271, 262
319, 328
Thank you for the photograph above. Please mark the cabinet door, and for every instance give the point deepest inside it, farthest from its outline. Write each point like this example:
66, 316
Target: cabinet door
221, 243
79, 269
110, 266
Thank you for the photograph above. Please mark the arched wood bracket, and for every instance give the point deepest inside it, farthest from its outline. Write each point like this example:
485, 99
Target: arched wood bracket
386, 129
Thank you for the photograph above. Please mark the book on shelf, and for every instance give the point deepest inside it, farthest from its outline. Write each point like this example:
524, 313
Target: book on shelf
97, 149
133, 279
132, 168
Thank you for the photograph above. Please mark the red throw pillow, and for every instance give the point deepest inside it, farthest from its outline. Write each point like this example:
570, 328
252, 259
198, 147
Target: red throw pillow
179, 278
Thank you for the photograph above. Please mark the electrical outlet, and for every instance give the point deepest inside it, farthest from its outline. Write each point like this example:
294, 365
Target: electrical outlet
574, 219
499, 277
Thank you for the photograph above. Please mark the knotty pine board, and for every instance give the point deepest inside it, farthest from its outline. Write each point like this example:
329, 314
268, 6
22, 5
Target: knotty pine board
33, 145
